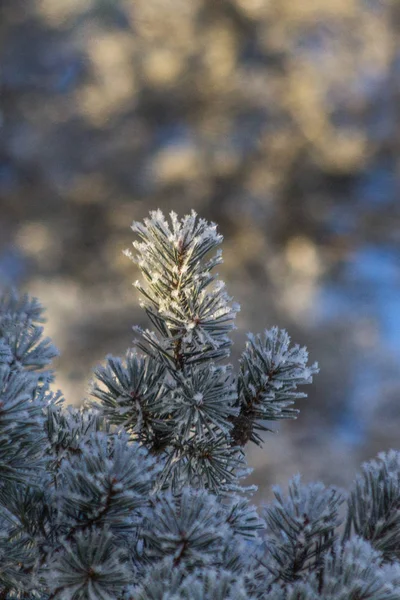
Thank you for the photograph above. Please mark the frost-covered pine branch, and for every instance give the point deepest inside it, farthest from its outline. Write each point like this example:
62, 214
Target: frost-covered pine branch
139, 495
190, 310
176, 398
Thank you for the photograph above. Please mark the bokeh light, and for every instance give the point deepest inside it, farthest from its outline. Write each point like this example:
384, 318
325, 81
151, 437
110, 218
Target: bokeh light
277, 120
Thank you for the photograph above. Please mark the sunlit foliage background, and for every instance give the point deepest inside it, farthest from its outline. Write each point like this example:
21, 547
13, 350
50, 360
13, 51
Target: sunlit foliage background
279, 120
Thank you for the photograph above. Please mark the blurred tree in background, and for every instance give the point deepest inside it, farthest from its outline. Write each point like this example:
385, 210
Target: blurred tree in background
277, 119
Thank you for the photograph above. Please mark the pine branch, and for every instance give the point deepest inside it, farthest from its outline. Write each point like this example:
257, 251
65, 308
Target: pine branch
270, 371
192, 318
374, 505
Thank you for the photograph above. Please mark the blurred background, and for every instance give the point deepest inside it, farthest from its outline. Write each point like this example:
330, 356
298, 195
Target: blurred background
280, 121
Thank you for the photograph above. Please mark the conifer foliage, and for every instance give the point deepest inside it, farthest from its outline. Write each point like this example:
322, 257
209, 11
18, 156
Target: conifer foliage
139, 495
